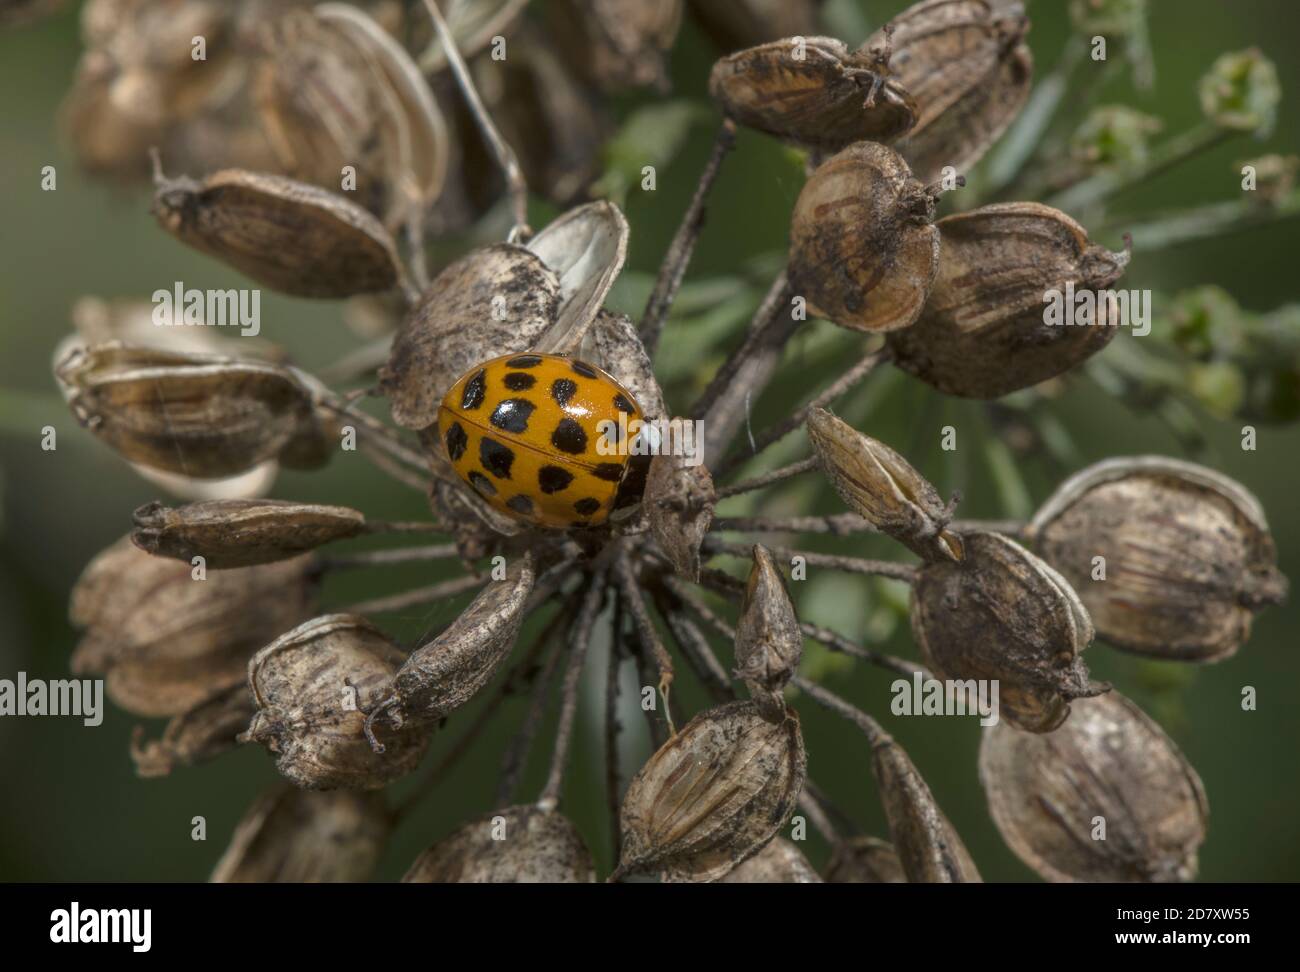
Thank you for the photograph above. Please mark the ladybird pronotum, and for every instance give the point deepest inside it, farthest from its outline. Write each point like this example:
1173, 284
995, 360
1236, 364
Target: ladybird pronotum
525, 432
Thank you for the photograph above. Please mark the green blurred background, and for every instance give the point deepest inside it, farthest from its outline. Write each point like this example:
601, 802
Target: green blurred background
72, 808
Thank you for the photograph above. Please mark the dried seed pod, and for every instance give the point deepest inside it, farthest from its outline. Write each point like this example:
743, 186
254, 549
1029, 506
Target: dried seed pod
679, 499
299, 837
984, 331
967, 66
166, 640
288, 235
865, 860
780, 862
518, 845
878, 483
733, 24
202, 732
813, 91
863, 249
620, 43
1002, 614
313, 687
473, 24
240, 532
769, 642
713, 795
585, 249
1110, 764
492, 301
448, 671
1171, 559
929, 850
197, 415
620, 351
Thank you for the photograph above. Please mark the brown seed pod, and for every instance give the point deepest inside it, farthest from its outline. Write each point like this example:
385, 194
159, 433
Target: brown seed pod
197, 415
518, 845
448, 671
1111, 765
202, 732
863, 249
1186, 555
929, 850
165, 640
679, 500
1002, 614
983, 333
733, 24
713, 795
769, 642
620, 351
313, 687
966, 64
780, 862
492, 301
620, 43
299, 837
865, 860
288, 235
813, 91
239, 532
878, 483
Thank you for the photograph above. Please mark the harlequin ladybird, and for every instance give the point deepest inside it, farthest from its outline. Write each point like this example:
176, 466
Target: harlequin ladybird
523, 431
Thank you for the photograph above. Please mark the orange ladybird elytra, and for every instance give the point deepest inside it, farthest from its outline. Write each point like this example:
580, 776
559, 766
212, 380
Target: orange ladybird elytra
528, 431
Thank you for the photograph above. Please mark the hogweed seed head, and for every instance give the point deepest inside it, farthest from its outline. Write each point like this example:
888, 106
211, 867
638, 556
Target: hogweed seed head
517, 845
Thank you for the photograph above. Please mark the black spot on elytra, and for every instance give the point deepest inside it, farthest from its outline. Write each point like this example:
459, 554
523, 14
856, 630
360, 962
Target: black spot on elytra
524, 361
586, 370
456, 441
587, 506
552, 479
623, 405
611, 472
512, 415
482, 483
472, 397
495, 457
518, 381
562, 389
632, 487
569, 437
520, 504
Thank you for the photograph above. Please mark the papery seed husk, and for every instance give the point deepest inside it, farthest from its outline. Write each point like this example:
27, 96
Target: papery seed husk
1188, 555
539, 847
620, 351
445, 673
769, 641
713, 795
1003, 614
733, 24
165, 640
620, 44
492, 301
1112, 761
196, 415
679, 499
288, 235
863, 249
817, 101
201, 733
865, 860
240, 533
780, 862
883, 487
473, 26
299, 837
966, 65
313, 687
982, 333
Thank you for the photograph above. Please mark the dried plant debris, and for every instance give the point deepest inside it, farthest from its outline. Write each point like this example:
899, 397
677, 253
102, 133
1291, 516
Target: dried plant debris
620, 43
680, 498
769, 642
864, 860
1107, 797
716, 792
206, 730
1172, 559
518, 845
780, 862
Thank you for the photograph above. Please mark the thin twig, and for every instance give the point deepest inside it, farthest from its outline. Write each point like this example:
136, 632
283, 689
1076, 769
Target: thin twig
767, 479
420, 595
1205, 222
837, 524
695, 647
580, 640
646, 633
613, 778
400, 555
682, 247
402, 526
385, 463
505, 155
850, 565
873, 730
